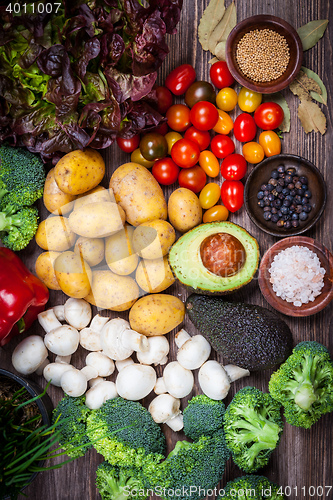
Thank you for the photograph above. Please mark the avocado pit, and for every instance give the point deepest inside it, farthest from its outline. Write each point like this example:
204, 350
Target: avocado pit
222, 254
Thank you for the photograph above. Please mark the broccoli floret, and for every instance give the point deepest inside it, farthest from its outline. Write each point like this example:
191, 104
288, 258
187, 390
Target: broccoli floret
125, 433
203, 416
304, 384
73, 438
253, 427
252, 487
190, 470
17, 229
119, 483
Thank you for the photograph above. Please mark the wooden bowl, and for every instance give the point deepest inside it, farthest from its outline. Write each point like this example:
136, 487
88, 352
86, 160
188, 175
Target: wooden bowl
288, 308
275, 24
261, 174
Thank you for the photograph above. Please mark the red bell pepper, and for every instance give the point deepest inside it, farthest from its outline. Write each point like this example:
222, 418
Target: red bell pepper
22, 296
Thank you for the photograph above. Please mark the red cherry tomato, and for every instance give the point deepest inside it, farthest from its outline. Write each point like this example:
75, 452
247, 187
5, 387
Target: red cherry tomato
180, 79
222, 146
164, 99
245, 128
193, 178
128, 144
185, 153
220, 75
269, 115
162, 129
232, 195
165, 171
204, 115
178, 117
200, 137
234, 167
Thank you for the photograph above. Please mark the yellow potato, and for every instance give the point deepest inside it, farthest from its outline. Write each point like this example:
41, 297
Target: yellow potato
73, 275
44, 269
152, 240
119, 253
79, 171
97, 220
54, 199
154, 276
184, 210
156, 314
55, 234
99, 193
111, 291
90, 249
138, 193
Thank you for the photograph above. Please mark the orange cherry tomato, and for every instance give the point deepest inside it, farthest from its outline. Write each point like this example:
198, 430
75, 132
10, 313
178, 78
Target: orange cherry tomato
172, 138
209, 163
253, 152
270, 142
224, 123
217, 213
209, 195
178, 116
226, 99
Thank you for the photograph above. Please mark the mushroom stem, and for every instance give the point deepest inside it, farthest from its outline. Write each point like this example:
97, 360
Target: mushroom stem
131, 339
159, 387
120, 364
176, 423
59, 312
94, 381
181, 337
236, 372
158, 348
48, 320
63, 359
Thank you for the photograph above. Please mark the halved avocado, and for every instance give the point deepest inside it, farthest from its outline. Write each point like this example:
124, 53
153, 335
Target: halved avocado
215, 258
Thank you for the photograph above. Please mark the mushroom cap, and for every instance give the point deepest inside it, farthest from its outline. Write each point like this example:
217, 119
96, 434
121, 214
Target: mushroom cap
111, 336
164, 407
194, 352
74, 383
104, 365
214, 380
99, 393
29, 354
54, 371
90, 339
135, 381
158, 348
63, 340
77, 312
178, 380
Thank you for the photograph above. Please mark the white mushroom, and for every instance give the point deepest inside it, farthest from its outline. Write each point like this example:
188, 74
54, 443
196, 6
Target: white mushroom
181, 337
90, 339
164, 407
213, 380
77, 312
103, 364
94, 381
48, 320
74, 382
194, 352
98, 394
63, 359
236, 372
163, 361
135, 381
29, 354
63, 340
41, 367
178, 380
159, 387
54, 371
59, 312
119, 341
157, 351
98, 322
120, 364
176, 423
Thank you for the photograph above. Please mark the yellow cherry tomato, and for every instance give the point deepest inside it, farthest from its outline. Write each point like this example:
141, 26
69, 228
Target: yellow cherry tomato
209, 195
226, 99
270, 142
172, 138
214, 214
248, 100
224, 123
209, 163
253, 152
137, 157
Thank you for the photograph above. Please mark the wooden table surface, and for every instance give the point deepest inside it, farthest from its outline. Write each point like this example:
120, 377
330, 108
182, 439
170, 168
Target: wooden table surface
303, 462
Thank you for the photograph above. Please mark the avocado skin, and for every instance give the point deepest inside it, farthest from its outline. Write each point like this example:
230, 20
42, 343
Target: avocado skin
249, 336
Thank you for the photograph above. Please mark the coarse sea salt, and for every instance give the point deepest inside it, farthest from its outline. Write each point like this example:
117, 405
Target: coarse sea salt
297, 275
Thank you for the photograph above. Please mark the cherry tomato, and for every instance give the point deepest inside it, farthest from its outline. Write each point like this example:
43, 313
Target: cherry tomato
171, 138
200, 91
248, 100
193, 178
180, 78
209, 163
164, 99
200, 137
209, 195
153, 146
253, 152
185, 153
128, 144
269, 115
220, 75
224, 124
222, 146
214, 214
204, 115
245, 128
270, 142
232, 194
165, 171
226, 99
234, 167
178, 116
161, 129
136, 157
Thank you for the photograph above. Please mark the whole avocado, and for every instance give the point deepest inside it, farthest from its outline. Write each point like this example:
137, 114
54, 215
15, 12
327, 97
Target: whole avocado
249, 336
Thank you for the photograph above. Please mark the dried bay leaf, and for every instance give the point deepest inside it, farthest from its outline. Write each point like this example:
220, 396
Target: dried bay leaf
303, 85
222, 30
280, 99
209, 20
311, 117
322, 98
311, 32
